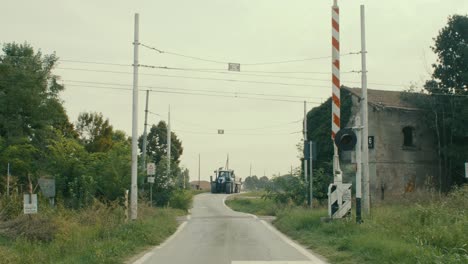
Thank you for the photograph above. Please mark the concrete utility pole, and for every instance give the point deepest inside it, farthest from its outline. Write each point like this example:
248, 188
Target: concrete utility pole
311, 198
169, 142
145, 137
365, 129
358, 168
305, 140
134, 189
199, 162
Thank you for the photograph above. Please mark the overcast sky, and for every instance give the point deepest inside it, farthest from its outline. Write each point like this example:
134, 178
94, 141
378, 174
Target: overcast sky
257, 132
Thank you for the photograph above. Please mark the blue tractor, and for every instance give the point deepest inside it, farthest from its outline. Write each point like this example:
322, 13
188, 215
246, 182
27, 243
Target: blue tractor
225, 182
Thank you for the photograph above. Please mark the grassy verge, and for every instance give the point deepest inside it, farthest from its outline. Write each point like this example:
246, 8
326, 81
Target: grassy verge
93, 235
434, 232
252, 203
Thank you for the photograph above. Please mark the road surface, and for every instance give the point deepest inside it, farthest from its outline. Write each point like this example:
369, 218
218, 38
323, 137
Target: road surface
215, 234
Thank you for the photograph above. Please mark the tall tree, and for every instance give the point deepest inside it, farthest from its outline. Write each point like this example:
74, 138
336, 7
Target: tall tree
29, 93
156, 147
95, 133
448, 104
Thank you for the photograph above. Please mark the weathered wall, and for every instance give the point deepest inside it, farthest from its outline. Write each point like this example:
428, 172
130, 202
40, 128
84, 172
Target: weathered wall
394, 167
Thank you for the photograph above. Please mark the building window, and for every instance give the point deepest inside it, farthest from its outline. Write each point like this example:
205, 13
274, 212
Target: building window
408, 136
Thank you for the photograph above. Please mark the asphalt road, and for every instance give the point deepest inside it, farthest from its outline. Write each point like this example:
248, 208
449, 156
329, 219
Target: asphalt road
214, 234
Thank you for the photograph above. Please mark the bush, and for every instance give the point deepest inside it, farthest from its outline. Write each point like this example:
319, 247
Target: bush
181, 199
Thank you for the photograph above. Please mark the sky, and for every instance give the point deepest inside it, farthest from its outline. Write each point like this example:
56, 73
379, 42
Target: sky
260, 108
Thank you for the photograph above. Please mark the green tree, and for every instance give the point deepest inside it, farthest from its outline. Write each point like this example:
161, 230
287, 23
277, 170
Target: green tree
29, 93
156, 147
95, 133
447, 107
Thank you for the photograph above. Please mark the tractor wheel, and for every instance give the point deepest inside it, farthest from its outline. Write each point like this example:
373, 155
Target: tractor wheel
228, 188
236, 189
213, 187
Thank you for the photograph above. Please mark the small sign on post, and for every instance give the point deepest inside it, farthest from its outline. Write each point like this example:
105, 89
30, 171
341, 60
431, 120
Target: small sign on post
30, 203
150, 179
150, 169
234, 67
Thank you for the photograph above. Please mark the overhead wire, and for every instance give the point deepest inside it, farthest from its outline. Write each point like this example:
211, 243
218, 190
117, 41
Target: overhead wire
160, 51
197, 90
198, 94
197, 78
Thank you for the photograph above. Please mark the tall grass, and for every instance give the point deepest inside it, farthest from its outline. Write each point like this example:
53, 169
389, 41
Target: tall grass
94, 235
435, 231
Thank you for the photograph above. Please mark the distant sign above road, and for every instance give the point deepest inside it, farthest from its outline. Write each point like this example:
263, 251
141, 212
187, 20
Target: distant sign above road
234, 67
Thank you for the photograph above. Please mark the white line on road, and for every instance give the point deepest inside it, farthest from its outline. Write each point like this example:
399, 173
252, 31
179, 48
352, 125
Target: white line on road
305, 252
271, 262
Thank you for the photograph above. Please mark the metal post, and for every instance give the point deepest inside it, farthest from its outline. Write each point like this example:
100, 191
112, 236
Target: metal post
134, 190
365, 130
311, 198
358, 168
169, 142
151, 194
144, 133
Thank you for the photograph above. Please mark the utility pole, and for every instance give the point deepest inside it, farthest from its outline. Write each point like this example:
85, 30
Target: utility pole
311, 174
305, 147
199, 186
365, 129
144, 133
169, 142
134, 189
358, 168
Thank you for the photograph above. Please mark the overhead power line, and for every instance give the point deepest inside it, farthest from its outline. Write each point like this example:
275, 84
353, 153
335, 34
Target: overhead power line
243, 64
237, 134
259, 75
197, 90
198, 94
197, 78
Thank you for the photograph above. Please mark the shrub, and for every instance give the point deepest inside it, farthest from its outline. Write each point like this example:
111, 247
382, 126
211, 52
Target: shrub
181, 199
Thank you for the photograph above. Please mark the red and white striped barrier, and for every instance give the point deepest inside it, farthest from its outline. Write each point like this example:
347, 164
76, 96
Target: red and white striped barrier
335, 69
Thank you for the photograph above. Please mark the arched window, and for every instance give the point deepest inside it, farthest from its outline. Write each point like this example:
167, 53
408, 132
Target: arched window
408, 136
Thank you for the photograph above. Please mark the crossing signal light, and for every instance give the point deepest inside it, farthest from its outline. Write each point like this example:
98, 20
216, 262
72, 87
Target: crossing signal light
345, 139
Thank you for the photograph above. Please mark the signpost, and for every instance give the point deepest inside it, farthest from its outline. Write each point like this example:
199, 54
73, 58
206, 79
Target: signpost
150, 172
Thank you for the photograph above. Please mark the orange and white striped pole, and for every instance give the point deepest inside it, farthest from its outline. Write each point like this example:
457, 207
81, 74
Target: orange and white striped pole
336, 102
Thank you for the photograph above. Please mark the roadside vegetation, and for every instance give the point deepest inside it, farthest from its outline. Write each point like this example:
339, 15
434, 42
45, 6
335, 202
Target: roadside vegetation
429, 230
97, 234
88, 160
